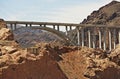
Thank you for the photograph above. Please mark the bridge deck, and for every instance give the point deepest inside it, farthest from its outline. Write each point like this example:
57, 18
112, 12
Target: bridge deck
60, 24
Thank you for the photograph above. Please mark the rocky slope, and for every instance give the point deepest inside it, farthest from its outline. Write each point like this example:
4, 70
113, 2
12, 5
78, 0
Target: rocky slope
20, 64
108, 14
59, 63
28, 37
88, 63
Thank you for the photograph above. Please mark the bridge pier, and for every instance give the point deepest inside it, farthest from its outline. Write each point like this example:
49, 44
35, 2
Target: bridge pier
53, 26
82, 36
89, 38
58, 27
78, 36
70, 27
114, 38
15, 26
94, 38
30, 25
66, 29
119, 35
26, 25
104, 41
110, 40
11, 26
100, 38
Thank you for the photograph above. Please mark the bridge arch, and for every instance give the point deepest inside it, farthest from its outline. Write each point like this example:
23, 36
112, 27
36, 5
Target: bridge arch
60, 34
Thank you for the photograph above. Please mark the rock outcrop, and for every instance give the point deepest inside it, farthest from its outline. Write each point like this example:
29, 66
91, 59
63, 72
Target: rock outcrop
88, 63
2, 24
20, 64
108, 14
5, 33
58, 63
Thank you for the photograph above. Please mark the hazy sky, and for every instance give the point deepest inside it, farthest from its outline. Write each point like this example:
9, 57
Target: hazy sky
70, 11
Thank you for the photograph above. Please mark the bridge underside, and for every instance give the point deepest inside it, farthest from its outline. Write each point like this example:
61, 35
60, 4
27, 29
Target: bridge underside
93, 36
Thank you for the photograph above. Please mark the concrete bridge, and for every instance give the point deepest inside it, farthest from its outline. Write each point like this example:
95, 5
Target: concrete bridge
94, 36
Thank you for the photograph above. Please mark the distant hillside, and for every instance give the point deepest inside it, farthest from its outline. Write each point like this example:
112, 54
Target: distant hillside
27, 37
108, 14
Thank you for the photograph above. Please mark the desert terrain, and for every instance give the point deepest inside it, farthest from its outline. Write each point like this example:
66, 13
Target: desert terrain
58, 61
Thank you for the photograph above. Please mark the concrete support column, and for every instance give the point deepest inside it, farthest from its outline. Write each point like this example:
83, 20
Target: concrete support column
11, 26
66, 29
15, 26
119, 36
104, 41
94, 38
53, 26
26, 25
110, 40
58, 28
114, 37
70, 27
100, 37
44, 25
89, 38
78, 36
82, 36
30, 25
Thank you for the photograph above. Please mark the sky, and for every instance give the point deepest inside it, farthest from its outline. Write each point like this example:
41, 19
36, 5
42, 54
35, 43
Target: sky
64, 11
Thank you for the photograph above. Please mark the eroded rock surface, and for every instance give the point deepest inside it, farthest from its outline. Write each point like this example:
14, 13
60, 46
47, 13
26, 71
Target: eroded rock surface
21, 64
5, 33
108, 14
88, 63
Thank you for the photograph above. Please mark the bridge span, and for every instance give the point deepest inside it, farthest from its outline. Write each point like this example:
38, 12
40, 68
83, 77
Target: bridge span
94, 36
